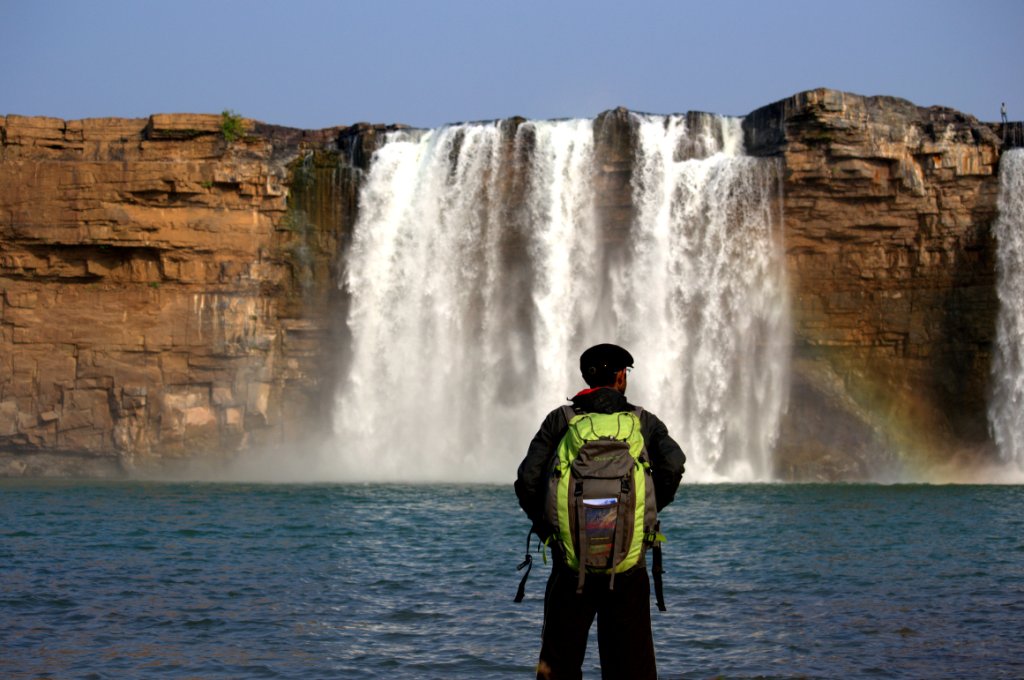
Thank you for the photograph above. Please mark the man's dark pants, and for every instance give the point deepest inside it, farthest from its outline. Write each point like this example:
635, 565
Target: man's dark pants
623, 625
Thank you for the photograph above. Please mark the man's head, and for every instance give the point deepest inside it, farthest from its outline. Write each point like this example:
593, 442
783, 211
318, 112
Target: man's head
601, 366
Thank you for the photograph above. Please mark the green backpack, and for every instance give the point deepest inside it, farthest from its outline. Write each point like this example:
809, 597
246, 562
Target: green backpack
600, 499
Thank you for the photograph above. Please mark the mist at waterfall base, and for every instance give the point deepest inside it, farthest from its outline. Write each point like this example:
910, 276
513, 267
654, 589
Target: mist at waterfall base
207, 580
481, 265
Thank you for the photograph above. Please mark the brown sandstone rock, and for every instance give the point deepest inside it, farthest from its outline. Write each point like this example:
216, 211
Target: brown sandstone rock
168, 294
144, 270
888, 209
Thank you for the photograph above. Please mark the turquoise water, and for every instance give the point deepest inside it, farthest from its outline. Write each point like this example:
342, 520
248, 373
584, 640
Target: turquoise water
110, 580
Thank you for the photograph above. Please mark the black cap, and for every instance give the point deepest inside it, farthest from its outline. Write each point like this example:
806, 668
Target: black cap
600, 363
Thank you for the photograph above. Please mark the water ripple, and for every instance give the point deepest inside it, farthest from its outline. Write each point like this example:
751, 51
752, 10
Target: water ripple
224, 581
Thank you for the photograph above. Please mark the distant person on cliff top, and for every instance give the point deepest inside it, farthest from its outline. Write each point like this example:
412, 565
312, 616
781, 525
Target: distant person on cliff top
1002, 113
595, 473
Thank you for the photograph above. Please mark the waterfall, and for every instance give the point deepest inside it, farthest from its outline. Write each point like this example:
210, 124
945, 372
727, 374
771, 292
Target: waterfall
478, 271
704, 300
1005, 413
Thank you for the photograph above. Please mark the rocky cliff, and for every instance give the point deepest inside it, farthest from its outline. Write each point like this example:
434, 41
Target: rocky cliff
166, 292
170, 291
888, 209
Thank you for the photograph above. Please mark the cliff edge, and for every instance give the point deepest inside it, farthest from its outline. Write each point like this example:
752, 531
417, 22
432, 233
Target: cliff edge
170, 291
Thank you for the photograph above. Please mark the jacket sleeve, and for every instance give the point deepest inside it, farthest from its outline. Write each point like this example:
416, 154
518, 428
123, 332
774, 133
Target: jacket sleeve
531, 481
667, 459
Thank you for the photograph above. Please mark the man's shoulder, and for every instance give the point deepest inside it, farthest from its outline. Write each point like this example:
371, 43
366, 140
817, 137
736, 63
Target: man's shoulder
645, 414
557, 418
559, 410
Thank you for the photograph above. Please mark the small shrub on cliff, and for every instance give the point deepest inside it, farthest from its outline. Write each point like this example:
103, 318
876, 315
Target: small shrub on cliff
231, 125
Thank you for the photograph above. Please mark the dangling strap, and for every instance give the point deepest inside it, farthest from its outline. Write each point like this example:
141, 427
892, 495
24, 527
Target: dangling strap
657, 570
528, 563
620, 521
584, 538
615, 537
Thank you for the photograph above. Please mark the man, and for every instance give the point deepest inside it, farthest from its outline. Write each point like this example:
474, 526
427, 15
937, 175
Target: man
623, 613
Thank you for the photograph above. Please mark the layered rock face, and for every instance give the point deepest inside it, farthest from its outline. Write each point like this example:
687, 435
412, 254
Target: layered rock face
164, 294
888, 209
169, 294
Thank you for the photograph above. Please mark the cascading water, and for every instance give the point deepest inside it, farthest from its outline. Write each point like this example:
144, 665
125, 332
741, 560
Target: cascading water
476, 279
704, 298
1006, 408
452, 341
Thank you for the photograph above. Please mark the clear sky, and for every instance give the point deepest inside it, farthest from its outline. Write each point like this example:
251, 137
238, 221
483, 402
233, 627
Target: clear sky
315, 63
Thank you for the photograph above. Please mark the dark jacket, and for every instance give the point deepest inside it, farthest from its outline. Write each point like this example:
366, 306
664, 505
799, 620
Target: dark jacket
667, 459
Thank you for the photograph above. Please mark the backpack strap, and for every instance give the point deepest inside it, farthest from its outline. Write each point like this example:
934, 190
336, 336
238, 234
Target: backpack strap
528, 563
656, 571
583, 538
569, 412
620, 520
657, 568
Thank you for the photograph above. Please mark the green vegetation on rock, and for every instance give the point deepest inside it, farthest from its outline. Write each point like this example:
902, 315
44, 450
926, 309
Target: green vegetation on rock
231, 125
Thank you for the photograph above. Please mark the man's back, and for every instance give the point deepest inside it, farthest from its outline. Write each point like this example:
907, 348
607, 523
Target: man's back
667, 458
571, 603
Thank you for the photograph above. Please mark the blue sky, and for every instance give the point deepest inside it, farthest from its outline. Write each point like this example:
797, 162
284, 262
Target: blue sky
315, 64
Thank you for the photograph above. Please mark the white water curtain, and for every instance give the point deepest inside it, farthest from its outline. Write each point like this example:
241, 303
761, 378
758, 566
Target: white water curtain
1006, 407
475, 281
